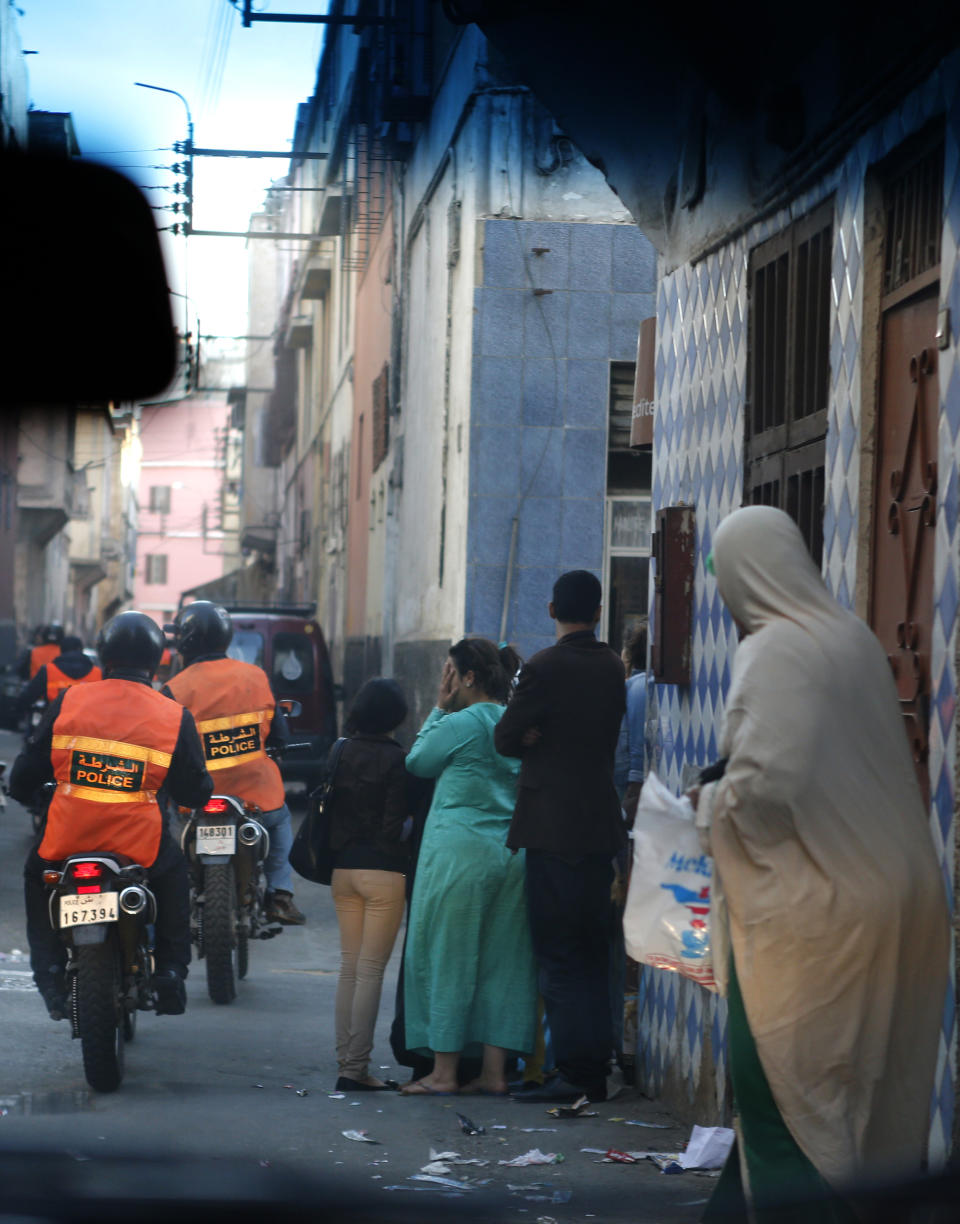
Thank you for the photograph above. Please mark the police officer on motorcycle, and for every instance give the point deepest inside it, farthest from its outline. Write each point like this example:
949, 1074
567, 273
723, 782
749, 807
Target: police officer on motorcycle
110, 746
238, 721
47, 640
70, 666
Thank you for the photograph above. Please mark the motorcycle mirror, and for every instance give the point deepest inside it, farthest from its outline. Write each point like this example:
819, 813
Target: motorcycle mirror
290, 706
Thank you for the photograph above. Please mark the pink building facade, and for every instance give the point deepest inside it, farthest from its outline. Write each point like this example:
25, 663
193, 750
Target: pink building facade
180, 541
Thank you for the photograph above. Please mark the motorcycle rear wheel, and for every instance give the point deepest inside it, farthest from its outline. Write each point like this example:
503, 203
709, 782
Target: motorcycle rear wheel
220, 932
99, 1014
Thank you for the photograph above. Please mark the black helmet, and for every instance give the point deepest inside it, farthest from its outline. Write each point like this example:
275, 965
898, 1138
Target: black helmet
202, 628
132, 641
53, 633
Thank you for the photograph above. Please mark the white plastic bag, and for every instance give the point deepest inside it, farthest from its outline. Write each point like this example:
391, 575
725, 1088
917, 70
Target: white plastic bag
666, 922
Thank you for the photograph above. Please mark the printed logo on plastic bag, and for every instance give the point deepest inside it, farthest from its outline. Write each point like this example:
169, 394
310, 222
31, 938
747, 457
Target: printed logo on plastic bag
666, 922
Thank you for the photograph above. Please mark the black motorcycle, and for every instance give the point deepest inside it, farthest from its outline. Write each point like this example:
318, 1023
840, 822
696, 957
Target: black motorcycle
103, 909
225, 846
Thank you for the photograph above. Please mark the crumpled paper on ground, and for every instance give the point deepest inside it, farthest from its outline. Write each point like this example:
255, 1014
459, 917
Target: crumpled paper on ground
707, 1148
533, 1157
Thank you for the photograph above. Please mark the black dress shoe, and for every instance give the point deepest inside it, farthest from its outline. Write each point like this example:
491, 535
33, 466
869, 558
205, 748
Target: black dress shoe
559, 1091
345, 1084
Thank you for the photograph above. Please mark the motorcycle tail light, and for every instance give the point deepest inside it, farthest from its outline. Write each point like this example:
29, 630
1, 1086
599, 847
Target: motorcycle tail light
89, 888
216, 806
87, 871
51, 877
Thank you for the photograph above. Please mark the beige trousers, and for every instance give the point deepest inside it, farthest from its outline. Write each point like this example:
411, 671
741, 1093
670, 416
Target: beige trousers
369, 907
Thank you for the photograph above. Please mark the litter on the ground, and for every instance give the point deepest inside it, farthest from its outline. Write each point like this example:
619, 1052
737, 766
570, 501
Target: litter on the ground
538, 1130
468, 1127
649, 1125
595, 1151
533, 1157
621, 1157
708, 1148
453, 1158
436, 1167
558, 1196
666, 1162
334, 1096
302, 1092
579, 1109
498, 1126
546, 1220
450, 1183
358, 1136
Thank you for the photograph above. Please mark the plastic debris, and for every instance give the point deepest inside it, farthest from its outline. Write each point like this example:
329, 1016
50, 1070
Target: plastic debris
450, 1183
533, 1157
302, 1092
649, 1125
707, 1148
579, 1109
336, 1096
666, 1162
621, 1157
558, 1196
498, 1126
288, 1085
258, 1085
454, 1158
538, 1130
546, 1220
264, 1164
358, 1136
468, 1127
436, 1166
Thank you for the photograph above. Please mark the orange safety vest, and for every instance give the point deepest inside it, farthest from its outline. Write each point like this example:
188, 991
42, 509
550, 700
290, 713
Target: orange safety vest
112, 744
58, 680
233, 705
40, 656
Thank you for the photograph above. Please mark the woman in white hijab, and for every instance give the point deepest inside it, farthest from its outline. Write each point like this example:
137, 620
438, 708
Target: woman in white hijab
826, 885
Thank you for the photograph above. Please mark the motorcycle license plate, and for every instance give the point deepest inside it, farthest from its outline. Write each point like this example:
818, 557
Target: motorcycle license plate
79, 911
216, 839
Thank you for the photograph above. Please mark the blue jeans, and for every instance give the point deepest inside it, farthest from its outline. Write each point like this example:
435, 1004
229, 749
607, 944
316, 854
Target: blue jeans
278, 871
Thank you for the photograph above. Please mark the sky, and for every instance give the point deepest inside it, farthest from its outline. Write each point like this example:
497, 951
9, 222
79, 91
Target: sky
242, 85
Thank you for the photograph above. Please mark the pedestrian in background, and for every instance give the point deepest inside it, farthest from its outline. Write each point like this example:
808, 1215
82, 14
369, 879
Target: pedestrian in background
563, 723
829, 920
368, 807
630, 746
469, 977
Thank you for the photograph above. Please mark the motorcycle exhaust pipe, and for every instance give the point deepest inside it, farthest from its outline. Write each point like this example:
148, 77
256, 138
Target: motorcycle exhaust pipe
133, 900
250, 833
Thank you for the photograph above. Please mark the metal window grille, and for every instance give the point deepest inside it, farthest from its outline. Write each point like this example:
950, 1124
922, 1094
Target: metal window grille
914, 206
381, 416
156, 568
160, 499
788, 372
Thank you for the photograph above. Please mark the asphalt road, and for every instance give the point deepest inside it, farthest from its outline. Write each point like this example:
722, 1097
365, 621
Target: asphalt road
219, 1086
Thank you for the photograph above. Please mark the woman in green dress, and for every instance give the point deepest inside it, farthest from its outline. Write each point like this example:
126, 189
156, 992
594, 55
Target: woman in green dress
469, 977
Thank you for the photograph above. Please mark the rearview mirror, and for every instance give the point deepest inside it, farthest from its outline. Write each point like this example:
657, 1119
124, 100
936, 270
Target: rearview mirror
290, 706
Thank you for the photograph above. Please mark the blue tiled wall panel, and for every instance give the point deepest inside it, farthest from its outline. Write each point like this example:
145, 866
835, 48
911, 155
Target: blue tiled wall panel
539, 404
700, 390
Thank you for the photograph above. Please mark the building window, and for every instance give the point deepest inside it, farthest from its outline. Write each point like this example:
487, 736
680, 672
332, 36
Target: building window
627, 522
381, 416
788, 372
156, 569
160, 499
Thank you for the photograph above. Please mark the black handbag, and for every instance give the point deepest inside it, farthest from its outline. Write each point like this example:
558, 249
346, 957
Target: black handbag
310, 855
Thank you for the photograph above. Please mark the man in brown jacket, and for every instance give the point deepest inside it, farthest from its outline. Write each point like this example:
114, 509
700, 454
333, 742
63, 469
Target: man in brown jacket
563, 722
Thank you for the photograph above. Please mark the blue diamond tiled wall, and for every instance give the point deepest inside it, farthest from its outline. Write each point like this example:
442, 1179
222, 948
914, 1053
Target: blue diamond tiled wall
698, 443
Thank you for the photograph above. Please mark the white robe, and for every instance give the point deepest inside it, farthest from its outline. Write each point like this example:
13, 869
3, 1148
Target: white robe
825, 863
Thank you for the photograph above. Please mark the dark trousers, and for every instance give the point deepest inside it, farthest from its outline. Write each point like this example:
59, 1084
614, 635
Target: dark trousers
569, 904
169, 884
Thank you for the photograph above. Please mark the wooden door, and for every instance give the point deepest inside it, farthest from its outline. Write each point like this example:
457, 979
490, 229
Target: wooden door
904, 533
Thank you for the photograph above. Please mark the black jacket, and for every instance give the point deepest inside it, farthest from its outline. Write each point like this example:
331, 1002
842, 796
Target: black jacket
187, 781
369, 802
574, 694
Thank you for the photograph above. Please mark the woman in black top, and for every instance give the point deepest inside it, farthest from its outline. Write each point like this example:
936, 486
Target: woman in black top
368, 807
